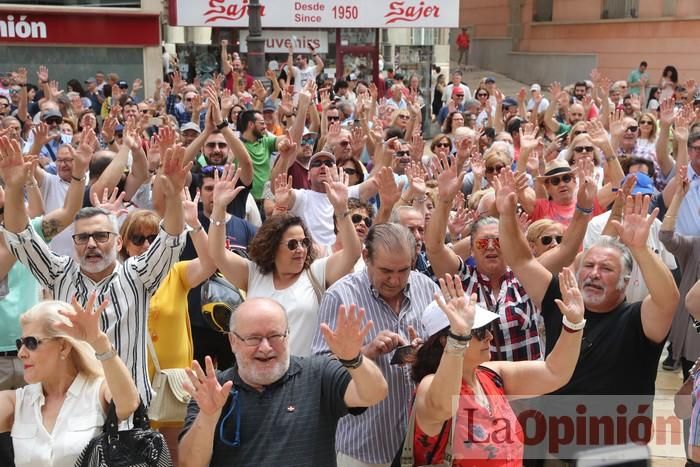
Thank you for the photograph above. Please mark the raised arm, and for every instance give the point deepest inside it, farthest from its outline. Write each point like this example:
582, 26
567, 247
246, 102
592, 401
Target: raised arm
231, 265
203, 266
516, 252
226, 67
659, 306
443, 259
665, 121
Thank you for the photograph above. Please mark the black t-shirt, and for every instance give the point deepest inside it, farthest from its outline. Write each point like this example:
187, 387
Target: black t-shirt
616, 356
236, 207
291, 422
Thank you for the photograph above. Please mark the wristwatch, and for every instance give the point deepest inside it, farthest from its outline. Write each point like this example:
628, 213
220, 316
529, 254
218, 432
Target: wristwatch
111, 353
224, 123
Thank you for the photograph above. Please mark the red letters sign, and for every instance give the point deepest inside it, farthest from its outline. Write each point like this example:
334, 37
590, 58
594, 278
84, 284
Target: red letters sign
69, 28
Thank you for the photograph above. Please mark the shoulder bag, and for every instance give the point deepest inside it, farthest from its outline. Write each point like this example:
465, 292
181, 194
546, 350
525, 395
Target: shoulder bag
169, 404
407, 459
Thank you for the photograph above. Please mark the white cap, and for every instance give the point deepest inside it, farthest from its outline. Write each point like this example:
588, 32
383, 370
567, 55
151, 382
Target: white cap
535, 87
434, 319
273, 65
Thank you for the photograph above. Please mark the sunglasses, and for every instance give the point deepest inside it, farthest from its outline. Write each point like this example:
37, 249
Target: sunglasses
646, 122
219, 145
555, 180
402, 153
350, 171
357, 218
31, 342
211, 168
333, 119
139, 239
100, 237
344, 144
495, 168
308, 141
632, 129
326, 162
293, 244
547, 239
580, 132
54, 121
482, 95
480, 333
484, 243
584, 149
443, 145
404, 117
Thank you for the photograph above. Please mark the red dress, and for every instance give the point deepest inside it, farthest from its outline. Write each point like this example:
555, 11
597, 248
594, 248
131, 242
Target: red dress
482, 438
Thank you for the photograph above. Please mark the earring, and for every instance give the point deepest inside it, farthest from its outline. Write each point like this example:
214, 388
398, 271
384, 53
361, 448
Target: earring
63, 357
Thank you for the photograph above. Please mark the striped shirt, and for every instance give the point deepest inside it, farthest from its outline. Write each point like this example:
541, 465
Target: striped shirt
375, 436
128, 289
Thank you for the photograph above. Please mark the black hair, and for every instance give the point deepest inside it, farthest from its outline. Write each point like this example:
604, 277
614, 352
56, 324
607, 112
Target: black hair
673, 71
340, 84
244, 118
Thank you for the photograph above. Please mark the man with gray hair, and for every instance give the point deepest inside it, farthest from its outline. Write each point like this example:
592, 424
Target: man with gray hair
393, 297
94, 267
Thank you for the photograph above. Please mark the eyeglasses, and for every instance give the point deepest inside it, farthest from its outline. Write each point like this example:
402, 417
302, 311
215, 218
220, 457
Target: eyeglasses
402, 153
31, 342
580, 132
645, 122
211, 168
443, 145
214, 145
293, 244
145, 111
404, 117
495, 168
139, 239
480, 333
357, 218
318, 163
350, 171
584, 149
694, 148
254, 341
100, 237
555, 180
458, 95
344, 144
308, 141
547, 239
481, 94
64, 161
333, 119
485, 243
632, 129
53, 121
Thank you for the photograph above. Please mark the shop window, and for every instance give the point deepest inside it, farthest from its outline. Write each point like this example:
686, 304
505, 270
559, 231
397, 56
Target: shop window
617, 9
79, 3
542, 10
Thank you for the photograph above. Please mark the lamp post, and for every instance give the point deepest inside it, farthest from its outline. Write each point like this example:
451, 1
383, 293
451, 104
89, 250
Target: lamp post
256, 43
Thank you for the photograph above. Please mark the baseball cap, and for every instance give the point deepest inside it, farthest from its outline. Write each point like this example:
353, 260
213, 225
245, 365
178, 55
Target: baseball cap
490, 79
123, 84
509, 102
269, 107
644, 185
322, 154
91, 81
352, 77
190, 126
51, 114
535, 87
434, 319
273, 65
308, 132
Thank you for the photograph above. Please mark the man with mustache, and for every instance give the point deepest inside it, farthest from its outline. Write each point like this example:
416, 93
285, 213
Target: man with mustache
94, 266
273, 408
622, 341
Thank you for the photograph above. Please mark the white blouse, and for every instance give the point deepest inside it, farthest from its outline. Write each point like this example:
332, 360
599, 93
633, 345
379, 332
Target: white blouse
80, 419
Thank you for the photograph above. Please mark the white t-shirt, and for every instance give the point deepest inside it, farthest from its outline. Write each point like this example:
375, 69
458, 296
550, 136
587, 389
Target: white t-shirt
54, 191
302, 76
317, 213
636, 289
299, 300
447, 92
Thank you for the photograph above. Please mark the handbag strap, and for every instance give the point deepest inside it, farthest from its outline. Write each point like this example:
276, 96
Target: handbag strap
407, 457
152, 350
318, 290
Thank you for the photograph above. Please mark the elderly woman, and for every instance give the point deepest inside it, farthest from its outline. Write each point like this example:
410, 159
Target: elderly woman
647, 131
544, 235
282, 263
73, 373
485, 168
454, 361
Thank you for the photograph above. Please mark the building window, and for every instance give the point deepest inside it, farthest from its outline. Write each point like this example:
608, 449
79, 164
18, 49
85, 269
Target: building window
542, 10
78, 3
616, 9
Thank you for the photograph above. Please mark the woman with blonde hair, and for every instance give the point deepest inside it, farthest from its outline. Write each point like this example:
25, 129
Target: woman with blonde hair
73, 373
544, 235
647, 131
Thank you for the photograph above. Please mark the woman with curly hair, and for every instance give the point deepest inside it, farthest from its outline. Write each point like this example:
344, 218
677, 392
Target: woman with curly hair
283, 264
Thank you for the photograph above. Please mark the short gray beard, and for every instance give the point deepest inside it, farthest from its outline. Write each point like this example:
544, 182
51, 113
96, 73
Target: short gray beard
93, 268
254, 378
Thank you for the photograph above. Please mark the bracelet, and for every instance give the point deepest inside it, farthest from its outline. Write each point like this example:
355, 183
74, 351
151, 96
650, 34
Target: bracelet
352, 363
454, 347
81, 179
218, 223
196, 229
584, 210
458, 337
421, 199
572, 327
111, 353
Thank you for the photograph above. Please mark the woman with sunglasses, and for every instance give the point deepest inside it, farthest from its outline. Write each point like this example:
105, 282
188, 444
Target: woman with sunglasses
283, 264
455, 361
73, 373
354, 169
647, 131
544, 235
453, 121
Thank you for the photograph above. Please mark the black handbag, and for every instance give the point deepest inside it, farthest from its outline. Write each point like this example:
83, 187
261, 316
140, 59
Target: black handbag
138, 447
220, 299
7, 454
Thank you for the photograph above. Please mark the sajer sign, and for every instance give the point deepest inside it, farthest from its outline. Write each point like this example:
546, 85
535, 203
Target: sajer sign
318, 13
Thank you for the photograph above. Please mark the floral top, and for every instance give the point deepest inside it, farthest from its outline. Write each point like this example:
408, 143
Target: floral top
483, 437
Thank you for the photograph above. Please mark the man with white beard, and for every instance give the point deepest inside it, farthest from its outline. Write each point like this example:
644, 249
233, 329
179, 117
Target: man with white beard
271, 408
94, 267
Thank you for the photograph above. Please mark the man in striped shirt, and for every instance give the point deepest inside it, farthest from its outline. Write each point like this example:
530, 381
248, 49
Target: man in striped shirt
128, 287
394, 297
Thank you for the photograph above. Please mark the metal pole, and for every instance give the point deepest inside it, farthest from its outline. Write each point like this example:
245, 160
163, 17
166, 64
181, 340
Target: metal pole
256, 43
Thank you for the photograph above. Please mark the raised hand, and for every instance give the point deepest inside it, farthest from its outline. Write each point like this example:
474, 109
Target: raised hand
680, 128
345, 341
449, 181
108, 129
43, 74
174, 171
190, 207
459, 222
225, 189
417, 147
166, 138
83, 154
337, 190
666, 111
288, 148
13, 168
389, 191
683, 183
458, 308
597, 133
84, 321
416, 179
283, 190
205, 388
136, 86
572, 304
358, 139
464, 147
506, 197
555, 89
617, 128
478, 166
587, 187
634, 230
113, 203
528, 137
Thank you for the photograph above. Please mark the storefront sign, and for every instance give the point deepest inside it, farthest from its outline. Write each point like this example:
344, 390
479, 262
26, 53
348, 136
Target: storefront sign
319, 13
280, 41
24, 27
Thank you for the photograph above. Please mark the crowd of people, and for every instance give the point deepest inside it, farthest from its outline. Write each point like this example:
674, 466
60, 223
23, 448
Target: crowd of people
537, 245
